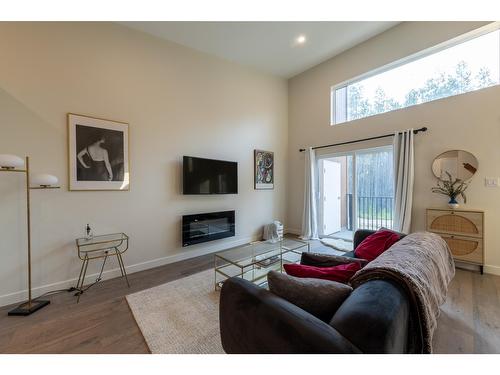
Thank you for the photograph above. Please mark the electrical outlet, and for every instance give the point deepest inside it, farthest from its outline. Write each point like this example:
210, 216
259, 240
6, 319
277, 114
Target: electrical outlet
491, 182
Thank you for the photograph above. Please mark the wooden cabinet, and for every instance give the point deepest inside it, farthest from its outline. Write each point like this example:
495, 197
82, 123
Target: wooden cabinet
463, 231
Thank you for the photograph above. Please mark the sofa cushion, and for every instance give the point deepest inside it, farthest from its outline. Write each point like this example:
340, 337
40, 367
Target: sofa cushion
341, 273
320, 298
375, 244
327, 260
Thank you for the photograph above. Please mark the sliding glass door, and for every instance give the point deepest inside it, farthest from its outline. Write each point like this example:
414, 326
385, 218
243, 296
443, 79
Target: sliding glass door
374, 188
356, 191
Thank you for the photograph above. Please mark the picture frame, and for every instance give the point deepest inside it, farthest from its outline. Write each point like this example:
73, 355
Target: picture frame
263, 170
98, 154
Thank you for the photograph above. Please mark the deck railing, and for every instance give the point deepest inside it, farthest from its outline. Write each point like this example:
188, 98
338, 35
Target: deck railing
372, 212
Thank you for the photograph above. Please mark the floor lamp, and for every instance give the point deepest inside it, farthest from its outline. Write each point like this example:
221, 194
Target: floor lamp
14, 164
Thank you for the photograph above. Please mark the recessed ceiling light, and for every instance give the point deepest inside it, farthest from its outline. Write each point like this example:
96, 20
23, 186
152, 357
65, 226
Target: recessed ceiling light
301, 39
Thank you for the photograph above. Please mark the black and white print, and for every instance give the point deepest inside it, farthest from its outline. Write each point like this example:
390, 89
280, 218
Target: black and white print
98, 154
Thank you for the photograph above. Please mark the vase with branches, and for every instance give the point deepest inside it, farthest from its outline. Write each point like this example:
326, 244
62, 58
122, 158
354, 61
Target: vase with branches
452, 188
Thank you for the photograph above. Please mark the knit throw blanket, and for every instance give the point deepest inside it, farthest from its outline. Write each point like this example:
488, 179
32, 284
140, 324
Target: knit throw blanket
423, 265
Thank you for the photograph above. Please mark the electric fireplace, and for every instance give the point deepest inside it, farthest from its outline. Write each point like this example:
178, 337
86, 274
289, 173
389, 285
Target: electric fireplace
207, 227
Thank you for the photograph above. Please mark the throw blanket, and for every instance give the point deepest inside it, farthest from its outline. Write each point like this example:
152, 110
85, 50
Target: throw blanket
423, 265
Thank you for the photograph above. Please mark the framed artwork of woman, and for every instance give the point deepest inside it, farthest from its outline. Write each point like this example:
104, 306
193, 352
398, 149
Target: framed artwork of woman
98, 153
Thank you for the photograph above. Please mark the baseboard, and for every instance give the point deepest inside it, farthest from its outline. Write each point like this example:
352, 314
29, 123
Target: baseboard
292, 231
492, 270
20, 296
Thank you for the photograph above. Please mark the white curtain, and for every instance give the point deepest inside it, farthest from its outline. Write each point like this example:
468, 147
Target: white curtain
309, 215
403, 178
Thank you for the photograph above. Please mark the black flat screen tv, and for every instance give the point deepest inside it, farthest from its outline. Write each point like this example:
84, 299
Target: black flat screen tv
207, 176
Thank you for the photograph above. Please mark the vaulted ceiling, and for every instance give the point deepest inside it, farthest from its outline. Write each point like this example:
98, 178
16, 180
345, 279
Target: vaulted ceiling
273, 47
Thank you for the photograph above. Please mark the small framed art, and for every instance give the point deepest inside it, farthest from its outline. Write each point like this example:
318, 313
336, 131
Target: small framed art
264, 170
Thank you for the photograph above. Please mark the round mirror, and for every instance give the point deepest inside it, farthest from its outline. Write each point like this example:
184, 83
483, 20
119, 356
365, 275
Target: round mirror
459, 164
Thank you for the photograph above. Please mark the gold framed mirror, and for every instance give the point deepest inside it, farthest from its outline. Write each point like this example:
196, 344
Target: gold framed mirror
458, 163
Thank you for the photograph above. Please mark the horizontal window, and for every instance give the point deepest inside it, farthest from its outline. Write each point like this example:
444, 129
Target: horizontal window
468, 66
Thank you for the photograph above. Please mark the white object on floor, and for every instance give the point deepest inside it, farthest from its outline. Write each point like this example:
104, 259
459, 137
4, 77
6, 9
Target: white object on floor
180, 317
273, 232
337, 244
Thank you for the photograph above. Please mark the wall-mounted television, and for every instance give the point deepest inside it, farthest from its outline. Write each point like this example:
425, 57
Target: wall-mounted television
207, 176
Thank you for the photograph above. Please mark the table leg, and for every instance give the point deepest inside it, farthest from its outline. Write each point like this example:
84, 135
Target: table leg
83, 277
84, 261
119, 263
122, 265
215, 272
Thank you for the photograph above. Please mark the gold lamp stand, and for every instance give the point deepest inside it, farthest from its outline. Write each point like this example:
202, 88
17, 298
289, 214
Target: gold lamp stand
31, 305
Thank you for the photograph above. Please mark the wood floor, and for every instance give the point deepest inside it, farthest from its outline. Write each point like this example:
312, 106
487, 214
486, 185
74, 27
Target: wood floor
100, 323
103, 323
470, 318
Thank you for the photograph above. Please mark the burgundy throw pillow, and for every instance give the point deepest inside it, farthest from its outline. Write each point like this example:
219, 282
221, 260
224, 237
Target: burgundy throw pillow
375, 244
341, 273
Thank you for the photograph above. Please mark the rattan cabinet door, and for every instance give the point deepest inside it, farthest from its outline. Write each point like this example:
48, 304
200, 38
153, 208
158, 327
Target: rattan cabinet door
467, 249
465, 223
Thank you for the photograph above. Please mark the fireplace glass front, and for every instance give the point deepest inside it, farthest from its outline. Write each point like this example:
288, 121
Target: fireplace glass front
207, 227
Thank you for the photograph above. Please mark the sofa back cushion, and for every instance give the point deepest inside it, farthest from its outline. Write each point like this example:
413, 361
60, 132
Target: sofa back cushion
375, 244
320, 298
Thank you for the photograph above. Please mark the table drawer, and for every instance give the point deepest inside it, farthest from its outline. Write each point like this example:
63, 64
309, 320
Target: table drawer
467, 249
466, 223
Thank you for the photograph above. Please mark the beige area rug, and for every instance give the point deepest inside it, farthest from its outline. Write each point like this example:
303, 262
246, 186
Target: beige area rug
180, 317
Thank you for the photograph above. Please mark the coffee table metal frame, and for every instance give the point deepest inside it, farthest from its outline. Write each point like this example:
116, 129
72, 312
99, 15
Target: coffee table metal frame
256, 259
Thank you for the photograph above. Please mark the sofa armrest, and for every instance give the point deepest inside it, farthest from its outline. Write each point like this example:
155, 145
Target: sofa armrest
328, 260
255, 321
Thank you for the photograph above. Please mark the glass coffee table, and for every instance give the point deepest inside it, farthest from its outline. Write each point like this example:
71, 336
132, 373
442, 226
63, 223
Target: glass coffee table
254, 260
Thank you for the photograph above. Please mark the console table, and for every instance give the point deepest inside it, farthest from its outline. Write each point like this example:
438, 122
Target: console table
100, 247
463, 231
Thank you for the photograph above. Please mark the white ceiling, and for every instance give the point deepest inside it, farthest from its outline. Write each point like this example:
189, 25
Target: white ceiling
267, 46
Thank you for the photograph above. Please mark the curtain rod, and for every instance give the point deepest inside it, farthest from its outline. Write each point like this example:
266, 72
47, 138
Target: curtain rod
416, 131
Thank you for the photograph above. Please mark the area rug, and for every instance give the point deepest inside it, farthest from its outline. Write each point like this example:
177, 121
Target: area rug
180, 317
337, 244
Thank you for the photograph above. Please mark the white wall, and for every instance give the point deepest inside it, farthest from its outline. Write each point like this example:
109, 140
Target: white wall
181, 102
177, 101
470, 122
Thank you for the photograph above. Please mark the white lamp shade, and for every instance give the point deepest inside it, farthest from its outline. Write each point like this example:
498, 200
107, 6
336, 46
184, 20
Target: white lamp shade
11, 161
44, 180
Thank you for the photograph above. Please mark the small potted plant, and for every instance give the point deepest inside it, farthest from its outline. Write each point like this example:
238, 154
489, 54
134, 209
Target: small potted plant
451, 188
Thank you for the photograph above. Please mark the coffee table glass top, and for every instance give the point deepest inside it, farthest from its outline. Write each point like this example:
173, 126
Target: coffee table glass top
246, 255
254, 260
292, 245
251, 253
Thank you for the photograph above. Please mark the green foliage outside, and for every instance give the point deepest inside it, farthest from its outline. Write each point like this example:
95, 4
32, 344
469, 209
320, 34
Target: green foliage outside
443, 85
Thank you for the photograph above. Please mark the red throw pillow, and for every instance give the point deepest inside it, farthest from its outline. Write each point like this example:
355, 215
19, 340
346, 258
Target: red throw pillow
341, 273
375, 244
